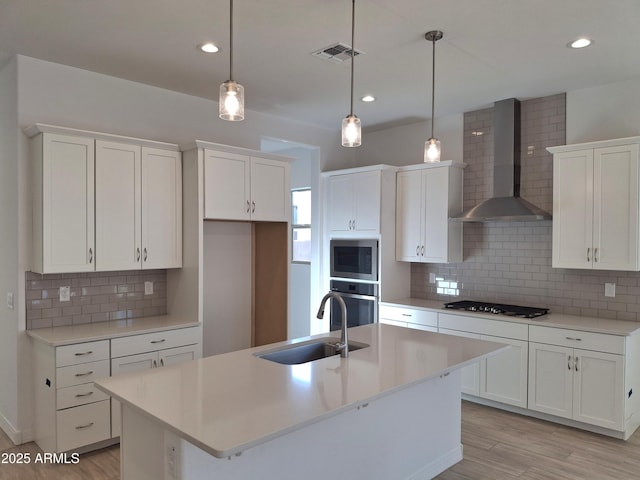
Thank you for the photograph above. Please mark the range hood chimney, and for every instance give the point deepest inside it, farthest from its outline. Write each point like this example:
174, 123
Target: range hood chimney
506, 204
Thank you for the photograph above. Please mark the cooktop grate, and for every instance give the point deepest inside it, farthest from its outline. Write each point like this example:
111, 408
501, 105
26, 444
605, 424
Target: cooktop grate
498, 308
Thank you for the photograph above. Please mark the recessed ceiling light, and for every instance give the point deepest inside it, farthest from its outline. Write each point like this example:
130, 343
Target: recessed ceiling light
580, 43
368, 98
208, 48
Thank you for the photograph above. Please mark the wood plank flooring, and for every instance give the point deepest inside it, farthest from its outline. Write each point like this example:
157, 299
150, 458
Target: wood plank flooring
498, 445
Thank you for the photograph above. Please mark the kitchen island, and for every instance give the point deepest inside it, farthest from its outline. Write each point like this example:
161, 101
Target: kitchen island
390, 410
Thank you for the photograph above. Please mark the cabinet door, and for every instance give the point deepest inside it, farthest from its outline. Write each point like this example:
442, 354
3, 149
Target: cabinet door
598, 389
572, 209
409, 225
340, 209
67, 223
503, 377
551, 379
118, 207
470, 374
366, 201
615, 200
436, 215
173, 356
132, 363
161, 209
270, 190
227, 193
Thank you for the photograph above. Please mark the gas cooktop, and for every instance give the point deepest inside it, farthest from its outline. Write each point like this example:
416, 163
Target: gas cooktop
498, 309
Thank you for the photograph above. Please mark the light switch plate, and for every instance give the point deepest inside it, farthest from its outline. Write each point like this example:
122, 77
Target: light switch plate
148, 288
10, 300
65, 294
609, 289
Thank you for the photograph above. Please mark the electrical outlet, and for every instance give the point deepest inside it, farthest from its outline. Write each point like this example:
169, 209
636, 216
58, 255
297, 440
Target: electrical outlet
10, 300
432, 278
148, 288
172, 453
609, 289
65, 294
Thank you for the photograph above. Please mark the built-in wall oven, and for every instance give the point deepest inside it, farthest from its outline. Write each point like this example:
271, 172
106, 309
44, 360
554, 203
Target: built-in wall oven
361, 300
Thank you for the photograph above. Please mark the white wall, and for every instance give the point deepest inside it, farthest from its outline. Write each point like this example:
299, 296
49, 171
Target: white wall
9, 199
604, 112
404, 145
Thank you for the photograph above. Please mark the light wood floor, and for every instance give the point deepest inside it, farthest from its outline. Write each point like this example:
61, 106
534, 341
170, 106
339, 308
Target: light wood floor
497, 446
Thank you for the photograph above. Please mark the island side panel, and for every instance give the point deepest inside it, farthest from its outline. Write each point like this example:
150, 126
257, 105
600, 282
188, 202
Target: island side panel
411, 434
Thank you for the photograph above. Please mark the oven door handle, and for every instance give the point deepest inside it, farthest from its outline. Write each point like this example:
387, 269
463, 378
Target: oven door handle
357, 296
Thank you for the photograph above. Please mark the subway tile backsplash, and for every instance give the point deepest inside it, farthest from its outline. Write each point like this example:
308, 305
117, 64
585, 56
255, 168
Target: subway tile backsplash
510, 262
95, 297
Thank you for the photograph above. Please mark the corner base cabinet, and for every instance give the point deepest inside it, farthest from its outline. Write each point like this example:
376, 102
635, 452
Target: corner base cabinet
596, 202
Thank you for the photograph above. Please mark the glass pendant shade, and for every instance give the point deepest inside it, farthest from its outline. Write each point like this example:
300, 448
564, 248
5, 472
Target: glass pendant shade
351, 131
231, 101
432, 150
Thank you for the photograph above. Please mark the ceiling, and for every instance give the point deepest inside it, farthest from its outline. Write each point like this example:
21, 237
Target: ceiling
492, 49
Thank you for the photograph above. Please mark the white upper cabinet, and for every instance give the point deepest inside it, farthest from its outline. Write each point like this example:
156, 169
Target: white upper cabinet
101, 204
161, 208
596, 205
426, 196
246, 186
354, 203
63, 208
118, 232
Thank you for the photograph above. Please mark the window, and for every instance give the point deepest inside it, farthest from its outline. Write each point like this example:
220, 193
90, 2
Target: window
301, 226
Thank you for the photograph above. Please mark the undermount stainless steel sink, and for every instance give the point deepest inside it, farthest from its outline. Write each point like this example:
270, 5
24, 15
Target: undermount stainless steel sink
307, 351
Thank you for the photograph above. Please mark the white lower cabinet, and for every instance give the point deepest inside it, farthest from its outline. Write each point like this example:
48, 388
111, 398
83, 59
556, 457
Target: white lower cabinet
416, 318
502, 377
70, 412
151, 350
578, 375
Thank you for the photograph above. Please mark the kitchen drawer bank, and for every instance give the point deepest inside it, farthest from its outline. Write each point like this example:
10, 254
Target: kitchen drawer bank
577, 371
70, 413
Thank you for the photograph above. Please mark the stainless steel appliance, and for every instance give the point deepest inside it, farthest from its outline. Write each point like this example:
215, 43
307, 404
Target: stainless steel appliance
361, 300
498, 309
357, 259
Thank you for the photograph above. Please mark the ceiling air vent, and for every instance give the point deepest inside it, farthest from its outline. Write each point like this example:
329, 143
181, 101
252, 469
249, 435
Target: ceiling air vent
338, 53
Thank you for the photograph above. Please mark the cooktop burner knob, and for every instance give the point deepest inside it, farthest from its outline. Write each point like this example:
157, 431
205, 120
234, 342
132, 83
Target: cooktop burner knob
495, 310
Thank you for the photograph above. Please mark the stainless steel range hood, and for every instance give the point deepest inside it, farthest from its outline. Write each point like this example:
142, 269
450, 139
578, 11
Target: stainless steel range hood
506, 204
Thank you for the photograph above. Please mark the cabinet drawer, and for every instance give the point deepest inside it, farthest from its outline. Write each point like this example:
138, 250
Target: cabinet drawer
599, 342
83, 425
82, 353
150, 342
83, 373
78, 395
484, 326
410, 315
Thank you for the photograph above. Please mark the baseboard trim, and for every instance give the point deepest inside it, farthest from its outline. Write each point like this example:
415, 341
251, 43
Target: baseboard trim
7, 427
438, 466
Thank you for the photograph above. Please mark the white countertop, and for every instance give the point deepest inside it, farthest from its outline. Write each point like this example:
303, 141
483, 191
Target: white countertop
57, 336
227, 403
556, 320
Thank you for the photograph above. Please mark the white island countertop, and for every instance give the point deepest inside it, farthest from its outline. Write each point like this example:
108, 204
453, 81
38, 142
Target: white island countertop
228, 403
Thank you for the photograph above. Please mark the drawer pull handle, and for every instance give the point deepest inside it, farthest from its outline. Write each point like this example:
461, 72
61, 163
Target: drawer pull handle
80, 395
138, 254
574, 339
82, 354
595, 254
84, 374
407, 315
159, 341
162, 362
155, 364
588, 252
81, 427
577, 358
569, 363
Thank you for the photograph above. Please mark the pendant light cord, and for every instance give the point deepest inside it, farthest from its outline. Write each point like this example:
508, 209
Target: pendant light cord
433, 85
231, 40
353, 36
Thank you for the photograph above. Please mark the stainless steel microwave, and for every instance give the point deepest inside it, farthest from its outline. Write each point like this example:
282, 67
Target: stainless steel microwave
354, 259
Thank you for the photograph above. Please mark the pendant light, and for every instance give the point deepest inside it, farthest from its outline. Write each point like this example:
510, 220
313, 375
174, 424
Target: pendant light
231, 102
351, 128
432, 146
